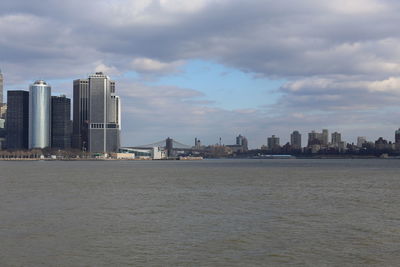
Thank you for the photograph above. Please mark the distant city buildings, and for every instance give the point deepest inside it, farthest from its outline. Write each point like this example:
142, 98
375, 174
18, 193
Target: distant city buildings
37, 120
315, 138
361, 140
240, 146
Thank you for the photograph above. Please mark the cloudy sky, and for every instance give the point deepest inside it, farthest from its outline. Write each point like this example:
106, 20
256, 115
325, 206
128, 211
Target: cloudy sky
217, 68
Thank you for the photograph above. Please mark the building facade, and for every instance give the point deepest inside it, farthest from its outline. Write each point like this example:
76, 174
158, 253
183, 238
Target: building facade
397, 136
61, 124
295, 140
39, 115
97, 114
336, 139
321, 139
1, 87
273, 142
242, 141
17, 122
361, 140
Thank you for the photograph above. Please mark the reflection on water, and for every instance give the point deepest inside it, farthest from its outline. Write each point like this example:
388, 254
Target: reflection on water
208, 213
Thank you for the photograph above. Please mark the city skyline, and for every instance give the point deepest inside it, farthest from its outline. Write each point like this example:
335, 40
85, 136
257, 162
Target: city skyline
212, 69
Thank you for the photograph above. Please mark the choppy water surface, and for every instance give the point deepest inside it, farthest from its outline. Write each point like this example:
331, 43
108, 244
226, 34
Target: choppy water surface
208, 213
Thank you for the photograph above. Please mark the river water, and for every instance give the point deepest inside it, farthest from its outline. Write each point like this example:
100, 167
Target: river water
203, 213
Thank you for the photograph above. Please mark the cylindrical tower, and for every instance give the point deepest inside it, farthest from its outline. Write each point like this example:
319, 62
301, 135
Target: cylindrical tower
39, 115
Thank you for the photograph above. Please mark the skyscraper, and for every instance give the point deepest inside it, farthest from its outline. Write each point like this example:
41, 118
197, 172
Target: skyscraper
295, 139
39, 115
97, 113
17, 119
273, 142
1, 87
397, 137
325, 137
336, 139
80, 134
61, 125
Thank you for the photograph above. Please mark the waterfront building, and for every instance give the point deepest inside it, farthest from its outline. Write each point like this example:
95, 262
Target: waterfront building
17, 119
397, 140
61, 125
321, 139
336, 139
314, 138
97, 114
273, 142
325, 137
197, 143
242, 142
1, 87
382, 144
397, 136
361, 140
295, 140
39, 115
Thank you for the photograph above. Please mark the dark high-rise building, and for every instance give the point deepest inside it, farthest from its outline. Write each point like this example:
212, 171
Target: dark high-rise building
80, 134
336, 139
273, 142
97, 114
169, 146
295, 140
61, 125
397, 136
17, 122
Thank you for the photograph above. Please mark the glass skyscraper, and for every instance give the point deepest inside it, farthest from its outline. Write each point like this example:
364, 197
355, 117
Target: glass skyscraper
61, 125
39, 115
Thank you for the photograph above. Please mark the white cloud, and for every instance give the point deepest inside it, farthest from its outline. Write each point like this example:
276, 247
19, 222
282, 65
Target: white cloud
148, 65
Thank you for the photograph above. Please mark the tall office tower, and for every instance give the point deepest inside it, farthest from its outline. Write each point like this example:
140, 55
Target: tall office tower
325, 137
97, 114
1, 87
17, 122
80, 133
39, 115
361, 140
295, 139
61, 125
397, 137
273, 142
336, 139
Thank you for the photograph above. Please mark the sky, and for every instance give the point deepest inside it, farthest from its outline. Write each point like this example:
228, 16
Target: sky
217, 68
